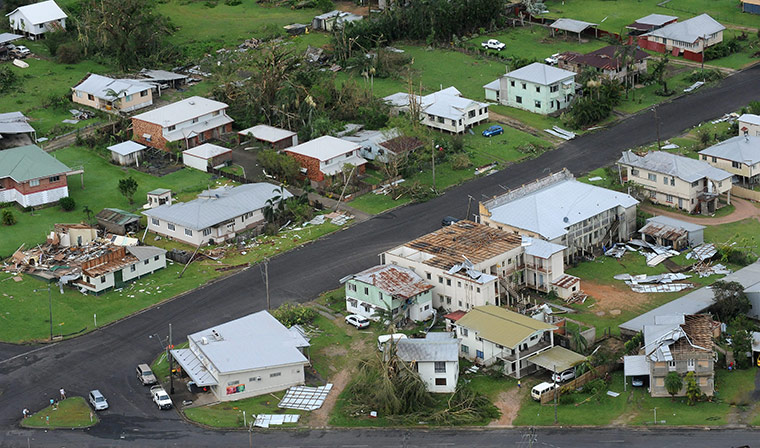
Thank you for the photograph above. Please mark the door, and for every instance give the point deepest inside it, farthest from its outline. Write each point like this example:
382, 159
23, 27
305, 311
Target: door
680, 203
118, 279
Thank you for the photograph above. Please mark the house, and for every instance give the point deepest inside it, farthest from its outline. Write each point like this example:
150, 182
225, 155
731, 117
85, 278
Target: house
738, 155
163, 79
471, 264
749, 123
370, 142
671, 232
206, 155
159, 196
444, 110
333, 19
32, 177
398, 146
650, 23
188, 122
112, 95
250, 356
753, 294
126, 153
118, 221
561, 210
435, 359
323, 158
72, 235
751, 6
492, 90
677, 181
37, 19
538, 88
688, 38
276, 138
215, 215
389, 288
606, 62
118, 266
15, 130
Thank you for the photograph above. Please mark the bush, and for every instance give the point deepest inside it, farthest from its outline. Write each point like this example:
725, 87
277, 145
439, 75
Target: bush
460, 161
67, 204
8, 217
594, 386
8, 79
290, 314
232, 2
707, 75
69, 53
568, 398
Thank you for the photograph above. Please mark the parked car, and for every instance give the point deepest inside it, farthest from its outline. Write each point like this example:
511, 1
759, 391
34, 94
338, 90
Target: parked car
160, 397
385, 338
561, 377
22, 50
195, 389
639, 380
493, 44
541, 389
145, 375
448, 220
97, 400
493, 130
357, 321
553, 59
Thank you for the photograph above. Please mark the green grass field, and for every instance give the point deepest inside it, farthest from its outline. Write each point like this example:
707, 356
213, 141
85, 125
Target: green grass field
72, 413
536, 42
230, 414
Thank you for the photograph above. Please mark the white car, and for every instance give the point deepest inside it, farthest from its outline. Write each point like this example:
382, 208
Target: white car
553, 59
357, 321
97, 400
23, 50
160, 397
493, 44
561, 377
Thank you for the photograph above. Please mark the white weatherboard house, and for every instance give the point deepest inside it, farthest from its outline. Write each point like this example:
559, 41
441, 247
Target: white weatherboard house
749, 123
538, 88
216, 215
112, 95
116, 267
203, 156
435, 359
389, 287
37, 19
445, 110
250, 356
739, 156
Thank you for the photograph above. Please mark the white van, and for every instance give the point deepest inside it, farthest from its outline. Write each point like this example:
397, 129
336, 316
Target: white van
384, 338
541, 389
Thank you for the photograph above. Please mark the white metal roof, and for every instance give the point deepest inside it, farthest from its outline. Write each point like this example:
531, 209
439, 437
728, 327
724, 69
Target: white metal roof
539, 248
750, 118
673, 222
540, 74
206, 151
324, 148
193, 367
428, 350
635, 365
493, 85
100, 87
689, 170
195, 129
267, 133
572, 25
443, 104
9, 37
689, 30
42, 12
655, 19
740, 149
14, 123
126, 148
161, 75
181, 111
145, 252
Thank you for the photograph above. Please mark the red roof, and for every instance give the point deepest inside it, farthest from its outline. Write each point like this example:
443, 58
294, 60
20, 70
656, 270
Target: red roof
398, 281
603, 58
455, 315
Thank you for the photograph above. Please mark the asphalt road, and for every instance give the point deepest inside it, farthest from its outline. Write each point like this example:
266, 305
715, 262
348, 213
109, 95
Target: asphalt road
105, 359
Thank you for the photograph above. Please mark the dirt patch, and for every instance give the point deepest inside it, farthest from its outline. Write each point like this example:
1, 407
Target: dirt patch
321, 416
351, 7
335, 350
613, 298
508, 403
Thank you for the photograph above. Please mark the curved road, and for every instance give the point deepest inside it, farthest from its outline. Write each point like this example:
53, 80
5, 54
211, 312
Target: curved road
105, 359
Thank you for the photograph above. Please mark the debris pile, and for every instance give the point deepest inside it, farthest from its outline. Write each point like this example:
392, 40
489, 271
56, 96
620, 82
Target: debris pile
654, 253
655, 283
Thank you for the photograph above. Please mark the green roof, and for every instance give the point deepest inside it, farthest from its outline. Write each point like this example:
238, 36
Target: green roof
159, 191
117, 216
501, 326
29, 162
557, 359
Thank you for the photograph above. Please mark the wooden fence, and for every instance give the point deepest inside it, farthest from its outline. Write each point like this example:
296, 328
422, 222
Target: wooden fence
598, 372
230, 176
745, 193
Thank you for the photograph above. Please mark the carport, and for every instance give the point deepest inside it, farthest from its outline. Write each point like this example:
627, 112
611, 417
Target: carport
634, 366
193, 367
573, 26
557, 359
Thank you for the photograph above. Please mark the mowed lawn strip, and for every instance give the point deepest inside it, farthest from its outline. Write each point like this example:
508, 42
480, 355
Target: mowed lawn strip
73, 412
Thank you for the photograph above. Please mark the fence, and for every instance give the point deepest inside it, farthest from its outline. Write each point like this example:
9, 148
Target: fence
230, 176
598, 372
745, 193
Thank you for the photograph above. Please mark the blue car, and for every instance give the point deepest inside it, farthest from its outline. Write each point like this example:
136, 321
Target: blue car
493, 130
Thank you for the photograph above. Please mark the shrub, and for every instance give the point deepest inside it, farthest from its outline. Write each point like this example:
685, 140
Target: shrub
290, 314
594, 386
460, 161
69, 53
232, 2
67, 204
7, 79
8, 217
568, 398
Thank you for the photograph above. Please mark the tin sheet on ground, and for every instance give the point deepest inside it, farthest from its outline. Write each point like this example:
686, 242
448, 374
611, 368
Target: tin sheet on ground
305, 398
265, 420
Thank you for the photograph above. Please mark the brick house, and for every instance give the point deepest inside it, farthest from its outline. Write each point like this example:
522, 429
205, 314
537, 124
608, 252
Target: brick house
688, 38
189, 122
31, 177
323, 158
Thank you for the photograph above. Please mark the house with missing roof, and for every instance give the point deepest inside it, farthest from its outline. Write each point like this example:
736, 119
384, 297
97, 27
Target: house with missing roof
739, 156
112, 95
672, 232
276, 138
563, 211
472, 265
677, 181
389, 288
688, 38
118, 266
324, 158
126, 153
445, 110
118, 221
215, 215
205, 156
435, 358
370, 141
749, 123
15, 130
246, 357
538, 88
606, 62
32, 177
36, 19
189, 122
650, 23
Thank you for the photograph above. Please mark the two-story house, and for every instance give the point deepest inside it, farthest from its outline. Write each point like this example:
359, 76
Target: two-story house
559, 209
606, 62
120, 265
37, 19
749, 123
688, 38
112, 95
650, 23
325, 157
32, 177
445, 110
435, 358
490, 334
739, 156
389, 288
188, 122
677, 181
538, 88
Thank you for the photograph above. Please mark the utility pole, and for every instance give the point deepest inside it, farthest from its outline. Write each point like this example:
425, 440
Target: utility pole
432, 158
657, 123
171, 362
50, 309
704, 46
469, 201
556, 393
266, 281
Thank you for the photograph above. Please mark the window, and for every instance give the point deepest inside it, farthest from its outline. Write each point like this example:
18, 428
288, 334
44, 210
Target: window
348, 155
431, 117
471, 114
275, 374
147, 260
79, 94
652, 177
154, 221
448, 282
144, 93
206, 232
538, 89
453, 122
653, 194
132, 268
156, 258
518, 99
704, 157
440, 119
440, 366
90, 97
102, 279
668, 198
195, 120
465, 349
464, 332
736, 165
448, 300
511, 83
714, 159
634, 172
478, 289
690, 363
366, 291
538, 104
352, 287
524, 86
672, 181
128, 98
440, 381
534, 337
428, 275
479, 354
34, 183
171, 128
170, 226
215, 113
188, 232
695, 183
554, 88
664, 180
440, 279
54, 179
671, 366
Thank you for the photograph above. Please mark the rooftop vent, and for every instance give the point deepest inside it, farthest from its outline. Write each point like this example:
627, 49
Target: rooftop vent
216, 334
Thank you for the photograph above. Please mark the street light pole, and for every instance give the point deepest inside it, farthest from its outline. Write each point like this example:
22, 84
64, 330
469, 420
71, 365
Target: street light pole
554, 377
171, 362
50, 309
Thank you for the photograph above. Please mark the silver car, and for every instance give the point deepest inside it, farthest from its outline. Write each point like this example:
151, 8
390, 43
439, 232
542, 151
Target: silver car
145, 375
97, 400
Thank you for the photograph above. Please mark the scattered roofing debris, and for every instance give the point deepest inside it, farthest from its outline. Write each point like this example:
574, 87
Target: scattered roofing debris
561, 133
336, 218
265, 420
305, 398
703, 252
655, 283
706, 269
654, 253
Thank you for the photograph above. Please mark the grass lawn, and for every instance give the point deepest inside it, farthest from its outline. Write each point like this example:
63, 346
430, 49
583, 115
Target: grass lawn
536, 42
230, 414
237, 170
608, 181
72, 412
645, 97
744, 232
377, 203
723, 211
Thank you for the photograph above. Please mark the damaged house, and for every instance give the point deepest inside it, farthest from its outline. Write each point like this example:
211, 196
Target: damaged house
120, 265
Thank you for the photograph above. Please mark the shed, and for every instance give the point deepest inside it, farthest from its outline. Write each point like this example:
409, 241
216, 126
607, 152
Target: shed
118, 221
207, 155
126, 153
159, 196
751, 6
9, 37
573, 26
557, 359
164, 78
672, 232
15, 130
277, 138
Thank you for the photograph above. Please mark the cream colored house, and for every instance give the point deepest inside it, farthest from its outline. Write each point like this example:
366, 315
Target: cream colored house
677, 181
112, 95
739, 156
692, 36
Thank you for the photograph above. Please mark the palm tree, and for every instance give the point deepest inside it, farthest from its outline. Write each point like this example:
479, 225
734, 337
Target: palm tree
660, 68
86, 210
626, 54
673, 384
578, 340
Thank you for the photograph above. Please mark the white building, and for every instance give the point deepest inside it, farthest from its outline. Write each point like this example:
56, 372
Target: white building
323, 158
37, 19
390, 288
250, 356
126, 153
435, 359
538, 88
118, 266
749, 123
205, 156
445, 110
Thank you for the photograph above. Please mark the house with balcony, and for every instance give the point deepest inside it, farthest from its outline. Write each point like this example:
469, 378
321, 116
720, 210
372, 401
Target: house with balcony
112, 95
389, 288
325, 157
435, 358
538, 88
739, 156
688, 38
36, 19
445, 110
606, 62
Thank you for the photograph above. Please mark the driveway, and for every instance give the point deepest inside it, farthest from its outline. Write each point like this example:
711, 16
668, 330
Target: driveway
743, 209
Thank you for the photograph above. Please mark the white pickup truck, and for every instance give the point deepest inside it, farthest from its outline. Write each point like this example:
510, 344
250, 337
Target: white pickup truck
493, 44
160, 397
